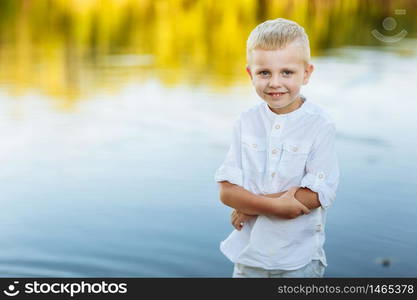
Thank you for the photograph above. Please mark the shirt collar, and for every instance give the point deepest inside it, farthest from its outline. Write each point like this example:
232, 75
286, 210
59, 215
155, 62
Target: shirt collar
274, 116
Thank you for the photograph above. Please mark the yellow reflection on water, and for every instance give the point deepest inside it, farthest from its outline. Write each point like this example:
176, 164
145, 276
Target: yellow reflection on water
69, 50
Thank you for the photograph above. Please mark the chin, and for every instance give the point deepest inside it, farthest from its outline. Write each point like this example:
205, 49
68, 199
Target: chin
278, 105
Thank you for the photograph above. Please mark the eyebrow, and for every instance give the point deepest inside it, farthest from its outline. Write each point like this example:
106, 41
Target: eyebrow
258, 69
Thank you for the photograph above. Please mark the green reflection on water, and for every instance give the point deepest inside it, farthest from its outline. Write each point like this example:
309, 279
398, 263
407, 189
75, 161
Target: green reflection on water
71, 49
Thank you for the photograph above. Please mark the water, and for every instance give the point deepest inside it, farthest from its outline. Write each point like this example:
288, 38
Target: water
125, 188
111, 175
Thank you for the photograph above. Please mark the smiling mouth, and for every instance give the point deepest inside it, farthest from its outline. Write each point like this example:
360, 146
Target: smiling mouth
278, 94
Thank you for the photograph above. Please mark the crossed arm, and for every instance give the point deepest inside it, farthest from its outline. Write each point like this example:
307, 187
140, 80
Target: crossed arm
289, 204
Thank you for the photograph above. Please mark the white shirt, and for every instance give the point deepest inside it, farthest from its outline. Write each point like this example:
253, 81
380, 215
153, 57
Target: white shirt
270, 153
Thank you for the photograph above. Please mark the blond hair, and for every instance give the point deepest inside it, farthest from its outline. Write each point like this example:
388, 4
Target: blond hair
275, 34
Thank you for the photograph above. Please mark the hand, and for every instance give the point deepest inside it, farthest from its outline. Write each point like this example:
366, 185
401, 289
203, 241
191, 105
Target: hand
291, 207
239, 218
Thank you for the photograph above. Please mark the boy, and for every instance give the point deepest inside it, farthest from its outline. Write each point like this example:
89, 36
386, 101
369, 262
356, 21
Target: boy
281, 172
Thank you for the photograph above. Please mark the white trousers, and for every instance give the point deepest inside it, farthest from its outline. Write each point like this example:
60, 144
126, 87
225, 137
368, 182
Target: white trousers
314, 269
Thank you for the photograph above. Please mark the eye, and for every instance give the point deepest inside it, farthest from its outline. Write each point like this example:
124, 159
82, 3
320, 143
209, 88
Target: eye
264, 73
287, 72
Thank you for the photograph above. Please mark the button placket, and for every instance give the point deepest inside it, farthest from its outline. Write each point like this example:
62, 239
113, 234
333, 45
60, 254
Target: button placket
278, 125
275, 133
272, 157
274, 152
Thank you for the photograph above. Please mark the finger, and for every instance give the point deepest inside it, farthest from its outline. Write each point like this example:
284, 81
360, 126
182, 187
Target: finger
241, 221
243, 217
236, 223
304, 209
235, 214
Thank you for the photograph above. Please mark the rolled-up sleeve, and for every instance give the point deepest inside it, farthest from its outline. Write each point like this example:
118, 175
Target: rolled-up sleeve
322, 168
231, 168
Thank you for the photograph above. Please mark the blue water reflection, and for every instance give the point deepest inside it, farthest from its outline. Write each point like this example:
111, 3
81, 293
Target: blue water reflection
123, 186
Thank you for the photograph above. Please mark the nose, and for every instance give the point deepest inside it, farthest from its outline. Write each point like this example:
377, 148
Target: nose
274, 81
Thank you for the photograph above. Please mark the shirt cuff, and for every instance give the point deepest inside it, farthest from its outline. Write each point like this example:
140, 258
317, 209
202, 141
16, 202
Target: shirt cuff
317, 183
226, 173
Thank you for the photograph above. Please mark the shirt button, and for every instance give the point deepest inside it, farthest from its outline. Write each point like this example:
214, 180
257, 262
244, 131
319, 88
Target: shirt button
273, 174
254, 145
295, 149
321, 176
274, 151
277, 126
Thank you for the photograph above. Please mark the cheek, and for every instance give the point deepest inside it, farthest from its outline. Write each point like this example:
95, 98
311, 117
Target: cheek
259, 84
295, 84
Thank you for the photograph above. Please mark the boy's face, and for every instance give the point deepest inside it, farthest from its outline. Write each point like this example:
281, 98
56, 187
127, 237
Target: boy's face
278, 75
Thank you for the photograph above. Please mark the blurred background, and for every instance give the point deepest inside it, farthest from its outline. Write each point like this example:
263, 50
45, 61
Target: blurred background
114, 116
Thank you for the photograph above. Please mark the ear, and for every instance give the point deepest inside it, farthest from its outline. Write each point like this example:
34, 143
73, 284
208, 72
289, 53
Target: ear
307, 73
249, 72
